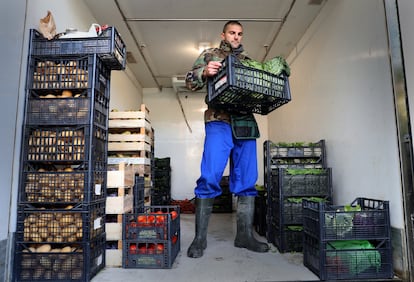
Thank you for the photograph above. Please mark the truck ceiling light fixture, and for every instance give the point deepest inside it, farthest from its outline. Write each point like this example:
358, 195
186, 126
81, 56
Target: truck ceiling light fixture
203, 46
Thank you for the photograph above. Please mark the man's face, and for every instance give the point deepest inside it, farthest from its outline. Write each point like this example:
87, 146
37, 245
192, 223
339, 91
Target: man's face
233, 35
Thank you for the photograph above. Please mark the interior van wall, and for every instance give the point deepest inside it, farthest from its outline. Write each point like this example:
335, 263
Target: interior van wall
342, 92
406, 10
182, 143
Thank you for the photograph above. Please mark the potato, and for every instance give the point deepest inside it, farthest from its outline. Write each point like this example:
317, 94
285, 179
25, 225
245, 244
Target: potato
66, 219
45, 248
66, 249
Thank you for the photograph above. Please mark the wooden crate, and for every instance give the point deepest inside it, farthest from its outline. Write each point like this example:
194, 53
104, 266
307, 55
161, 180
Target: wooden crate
113, 257
123, 174
143, 148
121, 203
128, 160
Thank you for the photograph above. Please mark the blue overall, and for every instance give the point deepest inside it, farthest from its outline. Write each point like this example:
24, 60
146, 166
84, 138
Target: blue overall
219, 146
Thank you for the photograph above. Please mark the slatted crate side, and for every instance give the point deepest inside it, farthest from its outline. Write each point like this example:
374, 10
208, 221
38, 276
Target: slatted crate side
122, 174
129, 146
129, 137
119, 204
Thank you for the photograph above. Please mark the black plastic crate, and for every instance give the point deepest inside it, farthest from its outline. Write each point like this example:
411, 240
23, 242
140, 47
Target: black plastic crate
139, 194
294, 155
350, 260
61, 186
69, 111
49, 76
162, 163
156, 222
260, 213
300, 182
72, 145
70, 224
151, 253
223, 203
363, 219
247, 90
59, 262
160, 198
109, 46
287, 238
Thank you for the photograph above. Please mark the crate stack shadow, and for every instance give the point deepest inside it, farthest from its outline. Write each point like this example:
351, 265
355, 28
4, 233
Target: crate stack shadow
130, 172
293, 172
60, 232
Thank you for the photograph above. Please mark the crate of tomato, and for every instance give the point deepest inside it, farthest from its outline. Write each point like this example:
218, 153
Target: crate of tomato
151, 239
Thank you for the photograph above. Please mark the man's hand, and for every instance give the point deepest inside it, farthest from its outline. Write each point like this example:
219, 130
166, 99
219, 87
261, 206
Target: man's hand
212, 68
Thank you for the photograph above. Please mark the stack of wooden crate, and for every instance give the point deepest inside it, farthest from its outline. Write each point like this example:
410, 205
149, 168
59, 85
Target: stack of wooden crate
130, 153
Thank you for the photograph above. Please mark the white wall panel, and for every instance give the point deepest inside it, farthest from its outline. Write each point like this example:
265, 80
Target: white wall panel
341, 92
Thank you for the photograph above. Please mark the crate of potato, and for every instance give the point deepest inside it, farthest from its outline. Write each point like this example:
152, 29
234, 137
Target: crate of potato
64, 144
59, 261
67, 225
61, 185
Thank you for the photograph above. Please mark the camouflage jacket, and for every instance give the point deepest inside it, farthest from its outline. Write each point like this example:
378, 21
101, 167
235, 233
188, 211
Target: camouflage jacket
195, 80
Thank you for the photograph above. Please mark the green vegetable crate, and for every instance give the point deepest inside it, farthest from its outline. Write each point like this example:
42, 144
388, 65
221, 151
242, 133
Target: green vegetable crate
348, 242
286, 191
246, 89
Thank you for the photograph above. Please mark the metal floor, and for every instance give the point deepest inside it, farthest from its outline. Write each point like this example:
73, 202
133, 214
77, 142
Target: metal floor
221, 260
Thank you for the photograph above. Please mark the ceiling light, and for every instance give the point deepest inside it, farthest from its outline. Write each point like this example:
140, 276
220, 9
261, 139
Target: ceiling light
203, 46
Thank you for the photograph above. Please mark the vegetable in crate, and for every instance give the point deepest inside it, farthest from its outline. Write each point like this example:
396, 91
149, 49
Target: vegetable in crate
276, 66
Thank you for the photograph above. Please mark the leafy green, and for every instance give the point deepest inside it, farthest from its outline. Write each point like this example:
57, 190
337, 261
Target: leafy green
302, 171
276, 65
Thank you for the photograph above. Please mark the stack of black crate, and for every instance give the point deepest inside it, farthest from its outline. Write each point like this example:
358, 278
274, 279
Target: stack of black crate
351, 242
293, 172
161, 190
60, 233
224, 202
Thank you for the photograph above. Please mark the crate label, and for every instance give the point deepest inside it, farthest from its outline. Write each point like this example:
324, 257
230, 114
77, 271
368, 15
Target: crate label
98, 189
99, 260
147, 260
148, 234
97, 223
219, 83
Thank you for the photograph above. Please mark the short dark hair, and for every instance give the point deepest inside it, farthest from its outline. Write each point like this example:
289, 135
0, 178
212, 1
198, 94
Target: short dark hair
232, 22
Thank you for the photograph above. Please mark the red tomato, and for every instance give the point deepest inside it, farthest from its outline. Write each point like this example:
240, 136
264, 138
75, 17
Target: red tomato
160, 248
160, 219
151, 248
150, 218
142, 220
133, 249
174, 239
174, 215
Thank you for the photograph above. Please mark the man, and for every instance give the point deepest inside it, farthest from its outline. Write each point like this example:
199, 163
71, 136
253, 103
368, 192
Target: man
219, 146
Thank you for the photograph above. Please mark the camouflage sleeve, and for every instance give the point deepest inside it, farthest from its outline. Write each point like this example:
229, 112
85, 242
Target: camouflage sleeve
194, 78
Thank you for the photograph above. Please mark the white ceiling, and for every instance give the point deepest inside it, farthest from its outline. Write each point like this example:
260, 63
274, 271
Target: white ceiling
162, 35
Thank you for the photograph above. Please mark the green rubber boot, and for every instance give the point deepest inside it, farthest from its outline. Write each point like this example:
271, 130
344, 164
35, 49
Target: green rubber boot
244, 237
203, 212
